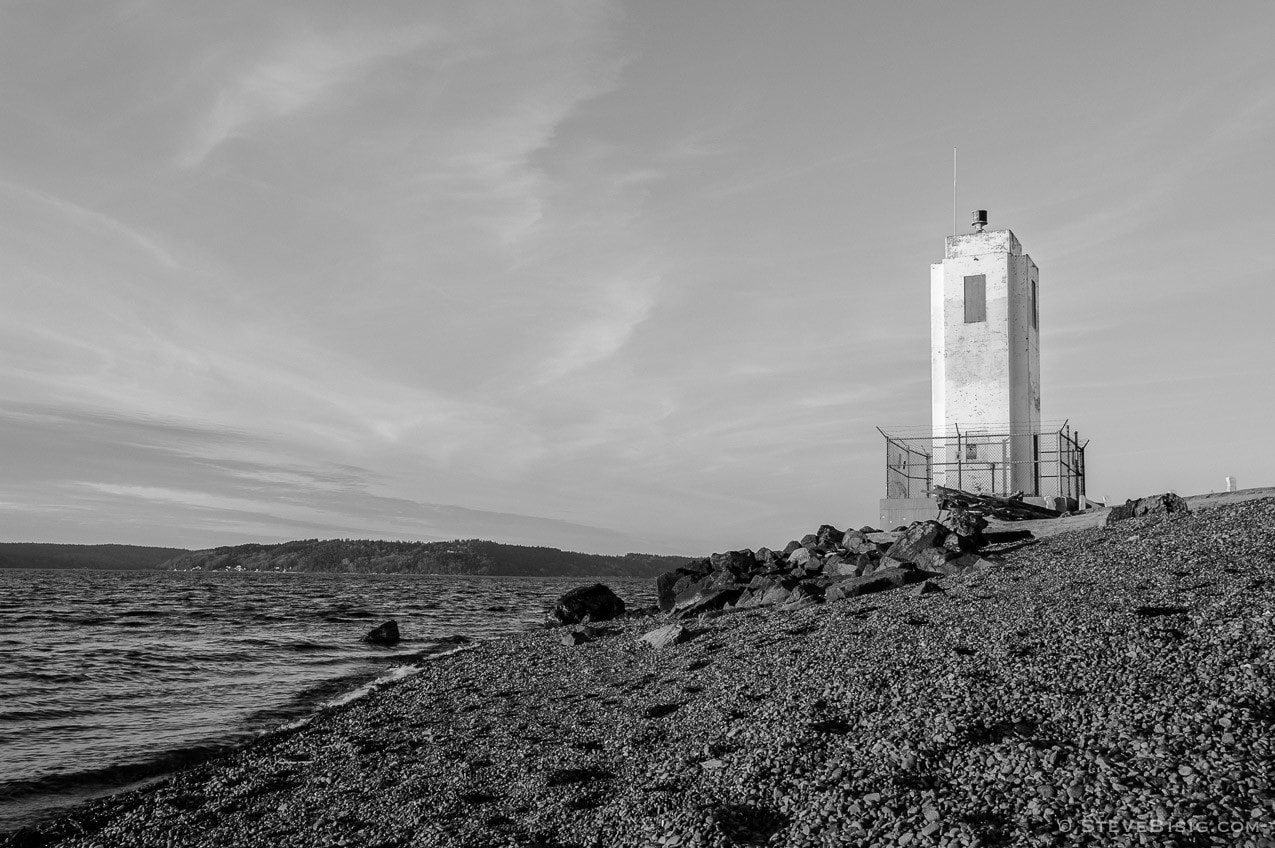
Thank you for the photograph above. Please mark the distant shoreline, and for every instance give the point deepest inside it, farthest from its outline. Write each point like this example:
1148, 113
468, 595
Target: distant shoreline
344, 556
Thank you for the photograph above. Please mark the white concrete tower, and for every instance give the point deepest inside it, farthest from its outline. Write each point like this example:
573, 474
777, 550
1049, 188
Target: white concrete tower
984, 344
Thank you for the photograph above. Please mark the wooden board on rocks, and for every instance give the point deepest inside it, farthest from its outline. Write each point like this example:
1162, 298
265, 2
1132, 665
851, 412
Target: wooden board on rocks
993, 506
1098, 517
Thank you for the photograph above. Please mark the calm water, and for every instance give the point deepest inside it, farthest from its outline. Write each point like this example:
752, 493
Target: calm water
108, 678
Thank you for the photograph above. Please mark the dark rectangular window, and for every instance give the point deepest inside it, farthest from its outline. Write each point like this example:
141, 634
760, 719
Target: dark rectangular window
975, 298
1035, 310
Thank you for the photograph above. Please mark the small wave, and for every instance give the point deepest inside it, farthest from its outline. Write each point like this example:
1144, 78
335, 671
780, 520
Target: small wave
307, 646
317, 694
305, 701
120, 774
397, 673
344, 613
91, 621
44, 676
412, 665
43, 714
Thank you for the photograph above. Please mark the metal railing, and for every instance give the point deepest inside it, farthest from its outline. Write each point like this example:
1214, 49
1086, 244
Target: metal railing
987, 460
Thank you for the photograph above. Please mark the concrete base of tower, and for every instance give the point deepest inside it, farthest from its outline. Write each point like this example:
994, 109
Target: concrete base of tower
1057, 504
896, 512
902, 511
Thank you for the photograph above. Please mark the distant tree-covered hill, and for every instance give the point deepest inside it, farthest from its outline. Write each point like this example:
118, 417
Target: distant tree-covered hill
118, 557
470, 556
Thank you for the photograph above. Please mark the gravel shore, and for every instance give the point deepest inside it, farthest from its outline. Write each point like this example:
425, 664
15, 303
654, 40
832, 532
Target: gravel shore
1107, 686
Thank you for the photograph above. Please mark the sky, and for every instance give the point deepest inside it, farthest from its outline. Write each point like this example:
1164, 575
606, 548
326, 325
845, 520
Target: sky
630, 276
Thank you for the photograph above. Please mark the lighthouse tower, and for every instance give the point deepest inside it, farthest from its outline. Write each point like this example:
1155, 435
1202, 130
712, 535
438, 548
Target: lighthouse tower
985, 347
985, 435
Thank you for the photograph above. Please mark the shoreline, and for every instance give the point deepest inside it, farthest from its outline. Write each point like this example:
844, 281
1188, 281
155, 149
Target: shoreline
1033, 701
163, 764
186, 670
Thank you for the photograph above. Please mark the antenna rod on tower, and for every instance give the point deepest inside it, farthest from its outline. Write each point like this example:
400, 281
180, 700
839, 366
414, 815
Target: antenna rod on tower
953, 191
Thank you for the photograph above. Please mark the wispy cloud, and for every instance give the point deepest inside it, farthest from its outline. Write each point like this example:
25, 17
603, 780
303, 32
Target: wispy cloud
621, 307
91, 219
295, 76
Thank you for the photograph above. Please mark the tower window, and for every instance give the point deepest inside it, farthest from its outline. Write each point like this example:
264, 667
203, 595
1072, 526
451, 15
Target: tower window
975, 298
1035, 311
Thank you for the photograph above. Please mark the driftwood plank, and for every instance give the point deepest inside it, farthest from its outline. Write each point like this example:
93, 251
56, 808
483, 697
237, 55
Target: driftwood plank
1007, 509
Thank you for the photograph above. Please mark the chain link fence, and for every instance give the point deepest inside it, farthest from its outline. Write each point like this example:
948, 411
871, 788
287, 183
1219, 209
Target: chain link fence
987, 461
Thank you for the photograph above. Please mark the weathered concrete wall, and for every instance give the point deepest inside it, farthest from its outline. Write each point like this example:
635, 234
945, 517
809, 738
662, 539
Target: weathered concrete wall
978, 244
1024, 365
985, 375
938, 346
896, 511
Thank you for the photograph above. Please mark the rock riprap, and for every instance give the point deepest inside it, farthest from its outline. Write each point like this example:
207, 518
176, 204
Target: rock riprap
828, 564
1112, 686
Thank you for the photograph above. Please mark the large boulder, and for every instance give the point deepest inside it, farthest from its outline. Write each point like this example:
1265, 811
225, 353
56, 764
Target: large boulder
1155, 505
856, 542
709, 583
762, 582
805, 593
1165, 504
880, 581
385, 634
865, 565
920, 536
827, 538
960, 564
596, 603
1121, 512
738, 562
842, 589
710, 601
966, 531
670, 584
922, 544
770, 590
934, 559
803, 558
837, 566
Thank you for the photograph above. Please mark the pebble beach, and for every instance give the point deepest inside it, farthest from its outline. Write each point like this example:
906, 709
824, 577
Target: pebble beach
1103, 686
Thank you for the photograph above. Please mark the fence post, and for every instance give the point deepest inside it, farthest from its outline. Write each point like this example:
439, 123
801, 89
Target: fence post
1036, 465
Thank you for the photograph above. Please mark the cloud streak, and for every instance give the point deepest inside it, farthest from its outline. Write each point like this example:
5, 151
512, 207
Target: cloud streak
99, 222
294, 77
621, 308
